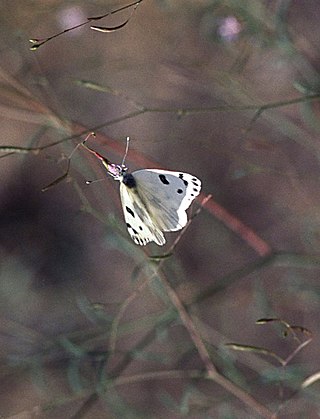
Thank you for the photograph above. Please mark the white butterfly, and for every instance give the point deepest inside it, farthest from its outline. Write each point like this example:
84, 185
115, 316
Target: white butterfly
153, 200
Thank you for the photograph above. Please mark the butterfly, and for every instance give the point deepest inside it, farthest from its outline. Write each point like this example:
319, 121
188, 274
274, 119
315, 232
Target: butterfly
153, 200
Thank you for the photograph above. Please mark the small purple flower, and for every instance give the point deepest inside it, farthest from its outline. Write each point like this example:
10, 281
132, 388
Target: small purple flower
229, 28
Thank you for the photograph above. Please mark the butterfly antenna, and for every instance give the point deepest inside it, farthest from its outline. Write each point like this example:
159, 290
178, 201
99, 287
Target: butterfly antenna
126, 152
114, 170
65, 175
91, 134
89, 182
100, 157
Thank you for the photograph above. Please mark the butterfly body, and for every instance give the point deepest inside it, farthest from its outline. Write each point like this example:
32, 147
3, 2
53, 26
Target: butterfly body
153, 200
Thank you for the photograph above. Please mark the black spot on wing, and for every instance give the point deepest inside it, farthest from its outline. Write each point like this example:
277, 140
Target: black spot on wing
135, 235
184, 181
139, 240
163, 179
179, 191
129, 210
129, 227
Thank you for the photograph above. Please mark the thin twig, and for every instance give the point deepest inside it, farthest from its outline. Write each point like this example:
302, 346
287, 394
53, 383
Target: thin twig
212, 372
177, 111
36, 43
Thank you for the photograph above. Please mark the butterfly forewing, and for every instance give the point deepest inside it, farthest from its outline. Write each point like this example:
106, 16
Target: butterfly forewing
167, 195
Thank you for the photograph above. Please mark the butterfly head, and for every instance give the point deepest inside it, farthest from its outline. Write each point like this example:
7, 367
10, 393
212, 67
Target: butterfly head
120, 172
117, 171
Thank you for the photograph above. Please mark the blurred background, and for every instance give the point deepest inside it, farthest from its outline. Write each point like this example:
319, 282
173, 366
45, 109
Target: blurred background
226, 90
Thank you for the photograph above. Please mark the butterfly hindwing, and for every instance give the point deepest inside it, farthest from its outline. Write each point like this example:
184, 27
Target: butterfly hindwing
167, 195
139, 224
